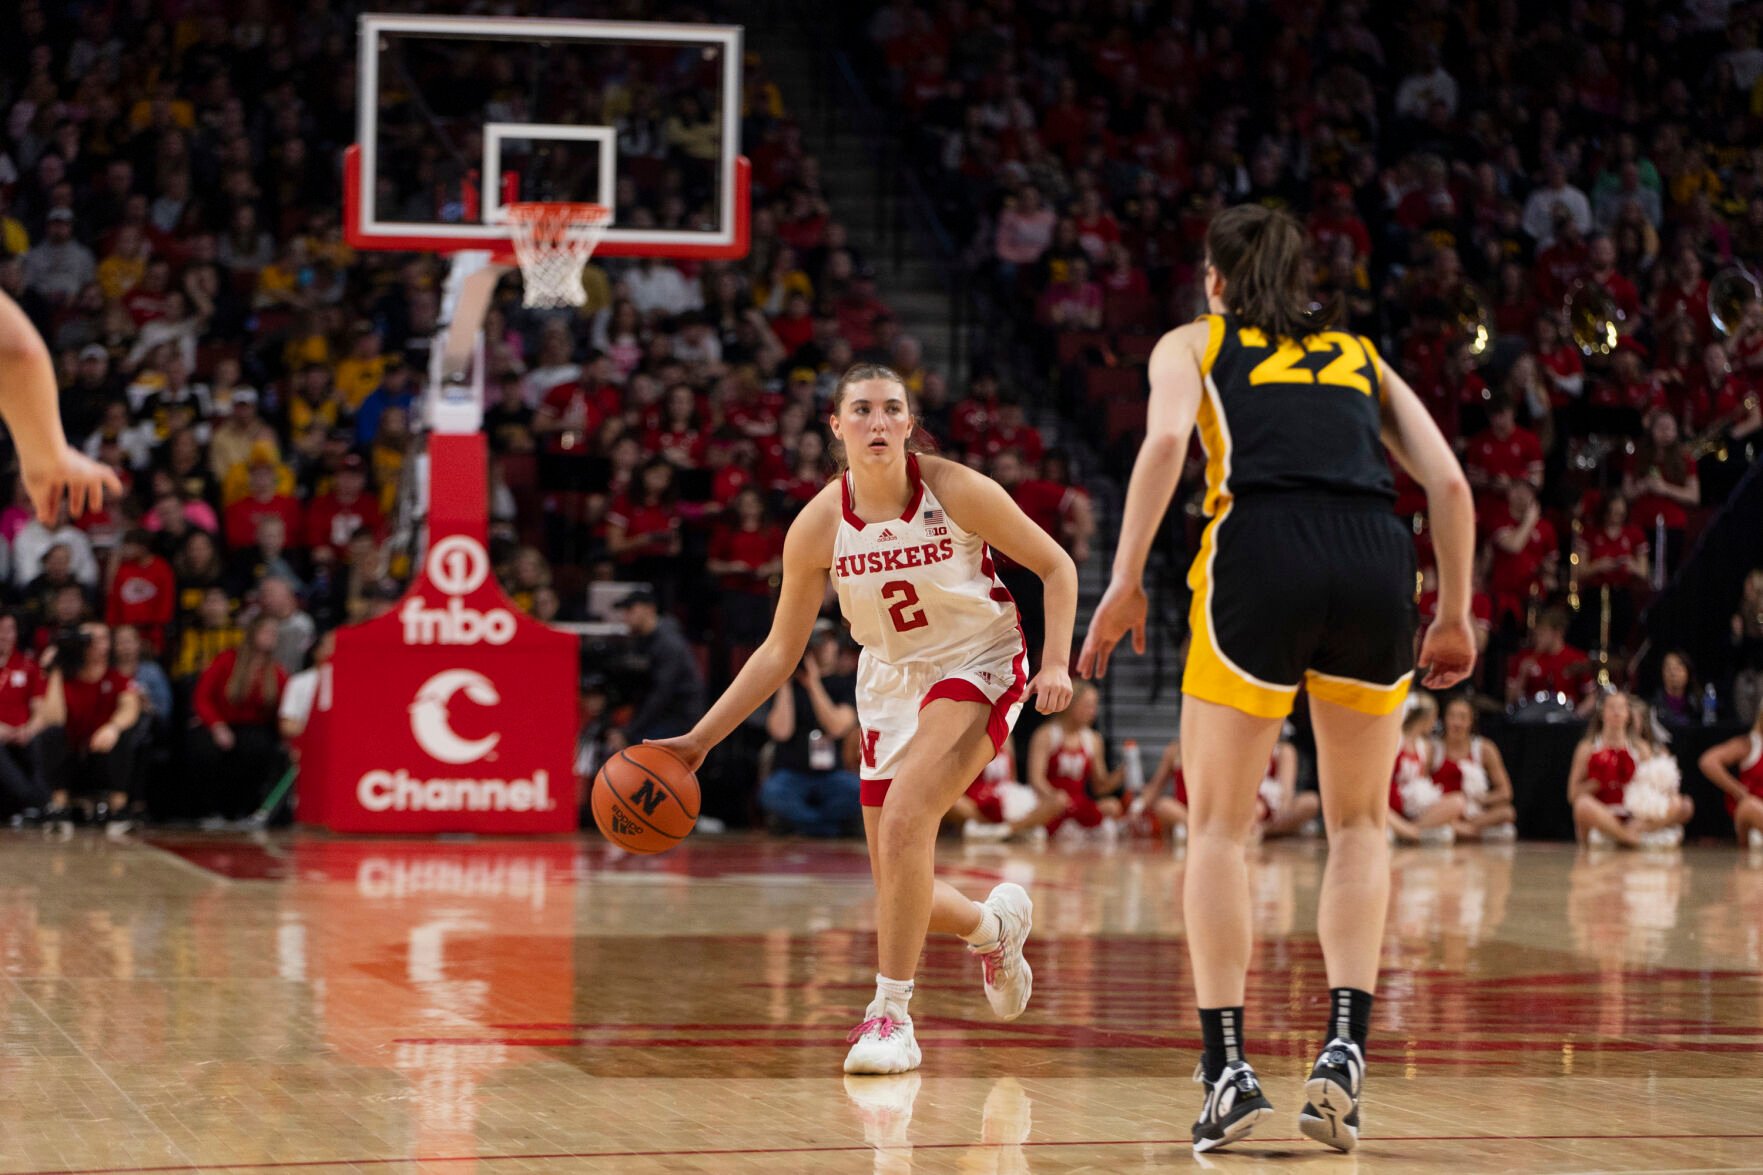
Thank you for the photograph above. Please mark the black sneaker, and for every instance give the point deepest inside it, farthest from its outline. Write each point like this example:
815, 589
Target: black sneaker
1331, 1116
60, 821
1234, 1103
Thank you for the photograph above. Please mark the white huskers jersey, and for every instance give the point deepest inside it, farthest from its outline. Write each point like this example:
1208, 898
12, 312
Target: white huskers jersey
924, 601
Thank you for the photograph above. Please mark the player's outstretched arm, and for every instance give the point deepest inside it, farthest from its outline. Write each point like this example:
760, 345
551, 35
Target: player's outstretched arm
807, 556
1169, 419
29, 405
983, 506
1448, 649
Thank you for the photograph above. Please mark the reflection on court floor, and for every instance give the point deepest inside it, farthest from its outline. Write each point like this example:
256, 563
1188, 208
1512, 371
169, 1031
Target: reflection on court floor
304, 1003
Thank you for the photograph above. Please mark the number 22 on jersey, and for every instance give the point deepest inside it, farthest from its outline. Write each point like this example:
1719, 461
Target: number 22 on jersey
1346, 370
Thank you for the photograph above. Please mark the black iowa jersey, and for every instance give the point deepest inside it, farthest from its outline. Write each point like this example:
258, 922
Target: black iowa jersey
1281, 416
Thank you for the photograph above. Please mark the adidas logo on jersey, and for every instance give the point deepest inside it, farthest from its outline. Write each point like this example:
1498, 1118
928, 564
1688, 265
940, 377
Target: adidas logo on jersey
887, 536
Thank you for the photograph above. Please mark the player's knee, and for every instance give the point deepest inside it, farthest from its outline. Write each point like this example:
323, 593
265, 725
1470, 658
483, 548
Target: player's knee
1110, 807
906, 822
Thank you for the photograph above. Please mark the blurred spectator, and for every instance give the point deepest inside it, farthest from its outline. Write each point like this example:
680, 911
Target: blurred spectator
300, 695
1677, 701
295, 631
143, 591
235, 751
675, 696
264, 499
746, 551
23, 719
34, 542
203, 638
808, 791
1550, 665
92, 757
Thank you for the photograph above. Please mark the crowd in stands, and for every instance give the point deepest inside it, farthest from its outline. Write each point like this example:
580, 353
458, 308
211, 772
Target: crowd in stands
1486, 189
170, 203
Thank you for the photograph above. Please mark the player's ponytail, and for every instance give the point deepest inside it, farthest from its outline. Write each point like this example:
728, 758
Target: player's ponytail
1260, 253
918, 442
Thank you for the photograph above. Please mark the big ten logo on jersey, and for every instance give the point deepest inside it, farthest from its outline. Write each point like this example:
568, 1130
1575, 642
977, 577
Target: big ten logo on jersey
933, 523
1346, 370
457, 566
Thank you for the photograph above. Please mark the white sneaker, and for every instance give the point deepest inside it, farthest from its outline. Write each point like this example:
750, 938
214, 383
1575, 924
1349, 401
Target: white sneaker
1070, 833
1440, 834
1034, 838
1179, 833
882, 1044
1008, 977
1500, 833
979, 830
1110, 831
1312, 829
1756, 838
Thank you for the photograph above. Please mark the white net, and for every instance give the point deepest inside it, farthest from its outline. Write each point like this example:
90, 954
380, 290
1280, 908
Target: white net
552, 242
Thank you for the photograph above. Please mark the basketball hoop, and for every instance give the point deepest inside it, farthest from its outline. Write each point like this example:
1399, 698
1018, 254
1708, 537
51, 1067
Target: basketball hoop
552, 243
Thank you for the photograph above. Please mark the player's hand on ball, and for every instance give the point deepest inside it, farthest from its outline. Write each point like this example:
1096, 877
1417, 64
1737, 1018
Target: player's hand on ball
1448, 652
685, 748
1122, 610
85, 480
1051, 689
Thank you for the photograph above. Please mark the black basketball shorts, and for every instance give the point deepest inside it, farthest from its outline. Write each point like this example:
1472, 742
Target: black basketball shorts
1296, 589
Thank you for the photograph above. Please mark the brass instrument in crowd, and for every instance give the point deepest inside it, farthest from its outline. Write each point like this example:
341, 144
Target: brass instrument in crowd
1573, 566
1732, 296
1471, 315
1604, 635
1713, 438
1593, 318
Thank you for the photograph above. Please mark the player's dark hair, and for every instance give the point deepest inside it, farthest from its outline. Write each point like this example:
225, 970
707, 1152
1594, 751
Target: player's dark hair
1260, 253
918, 442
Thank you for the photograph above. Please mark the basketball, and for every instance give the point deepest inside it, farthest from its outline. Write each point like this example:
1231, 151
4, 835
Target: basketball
645, 800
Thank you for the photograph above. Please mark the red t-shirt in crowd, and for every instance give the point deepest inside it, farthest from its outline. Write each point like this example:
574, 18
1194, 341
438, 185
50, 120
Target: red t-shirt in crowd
1515, 572
969, 420
1624, 545
729, 481
1481, 609
1517, 456
651, 524
330, 521
1563, 672
240, 525
1025, 439
686, 442
750, 548
253, 709
1647, 508
793, 333
1043, 501
20, 681
144, 594
90, 704
571, 401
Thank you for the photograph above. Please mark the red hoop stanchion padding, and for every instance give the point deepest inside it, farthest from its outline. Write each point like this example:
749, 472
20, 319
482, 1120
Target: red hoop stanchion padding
552, 243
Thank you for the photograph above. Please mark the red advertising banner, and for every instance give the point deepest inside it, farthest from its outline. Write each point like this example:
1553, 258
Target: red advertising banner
453, 712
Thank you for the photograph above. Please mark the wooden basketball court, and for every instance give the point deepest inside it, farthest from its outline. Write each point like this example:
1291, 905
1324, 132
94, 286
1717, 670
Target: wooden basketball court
305, 1003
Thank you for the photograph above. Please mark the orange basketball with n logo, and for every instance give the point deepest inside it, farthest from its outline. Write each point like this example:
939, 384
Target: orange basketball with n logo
645, 800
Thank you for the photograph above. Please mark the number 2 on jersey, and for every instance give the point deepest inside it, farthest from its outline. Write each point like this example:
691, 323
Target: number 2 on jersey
1345, 370
908, 599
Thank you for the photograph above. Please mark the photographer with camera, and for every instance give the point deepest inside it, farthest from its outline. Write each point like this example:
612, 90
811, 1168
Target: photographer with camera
808, 791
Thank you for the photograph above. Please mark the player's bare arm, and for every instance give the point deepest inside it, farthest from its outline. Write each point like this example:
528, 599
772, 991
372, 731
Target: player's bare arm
983, 506
807, 558
1169, 420
1414, 439
29, 405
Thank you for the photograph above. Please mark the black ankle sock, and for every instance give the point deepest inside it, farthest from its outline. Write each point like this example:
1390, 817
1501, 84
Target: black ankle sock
1222, 1030
1349, 1014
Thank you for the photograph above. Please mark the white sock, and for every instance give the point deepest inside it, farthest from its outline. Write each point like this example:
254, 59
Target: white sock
989, 930
893, 995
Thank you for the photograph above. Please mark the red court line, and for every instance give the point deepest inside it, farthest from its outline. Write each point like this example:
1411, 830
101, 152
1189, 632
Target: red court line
304, 1164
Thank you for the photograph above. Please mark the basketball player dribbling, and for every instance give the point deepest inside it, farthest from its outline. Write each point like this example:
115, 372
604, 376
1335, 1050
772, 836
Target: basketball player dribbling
1304, 577
30, 405
941, 680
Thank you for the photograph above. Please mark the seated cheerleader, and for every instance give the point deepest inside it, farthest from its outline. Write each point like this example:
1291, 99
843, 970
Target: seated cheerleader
1166, 796
1421, 812
1281, 809
1736, 768
1465, 762
996, 807
1065, 756
1655, 796
1598, 785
